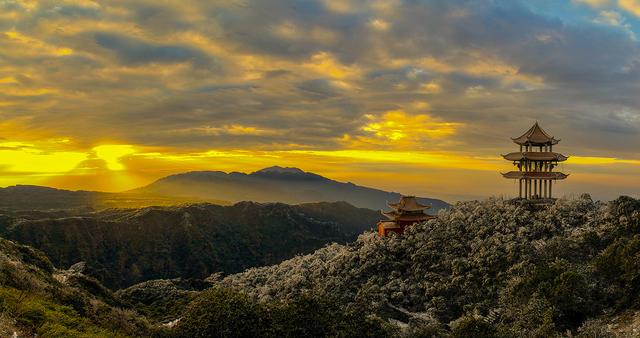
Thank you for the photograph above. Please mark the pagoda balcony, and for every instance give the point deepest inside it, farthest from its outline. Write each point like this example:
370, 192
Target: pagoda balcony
535, 156
538, 175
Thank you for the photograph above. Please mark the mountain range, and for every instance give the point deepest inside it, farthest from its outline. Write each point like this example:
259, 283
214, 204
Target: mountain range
274, 184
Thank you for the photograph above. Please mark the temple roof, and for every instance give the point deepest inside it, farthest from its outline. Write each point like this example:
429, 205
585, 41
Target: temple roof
408, 203
535, 136
400, 216
544, 175
389, 225
535, 156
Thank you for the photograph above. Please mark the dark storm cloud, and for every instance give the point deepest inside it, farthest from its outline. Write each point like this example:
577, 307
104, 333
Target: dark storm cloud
317, 89
135, 51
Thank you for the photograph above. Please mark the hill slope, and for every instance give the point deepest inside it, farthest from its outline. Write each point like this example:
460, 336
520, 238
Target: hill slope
127, 246
274, 184
30, 197
494, 265
38, 300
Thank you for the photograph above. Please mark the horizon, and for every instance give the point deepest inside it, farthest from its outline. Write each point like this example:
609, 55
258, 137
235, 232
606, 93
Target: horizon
572, 195
420, 99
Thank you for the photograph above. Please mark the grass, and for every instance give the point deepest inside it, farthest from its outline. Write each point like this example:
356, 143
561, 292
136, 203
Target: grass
36, 314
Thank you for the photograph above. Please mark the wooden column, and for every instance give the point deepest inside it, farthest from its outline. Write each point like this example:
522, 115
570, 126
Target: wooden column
550, 185
520, 188
539, 188
545, 189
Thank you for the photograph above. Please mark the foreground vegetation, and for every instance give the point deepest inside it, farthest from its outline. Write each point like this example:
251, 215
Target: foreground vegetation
36, 299
489, 268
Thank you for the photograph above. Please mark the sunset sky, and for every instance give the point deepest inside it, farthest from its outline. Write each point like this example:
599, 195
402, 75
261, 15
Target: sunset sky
419, 97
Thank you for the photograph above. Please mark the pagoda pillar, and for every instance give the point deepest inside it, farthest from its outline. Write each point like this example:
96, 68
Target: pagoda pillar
545, 189
520, 188
550, 185
539, 193
539, 188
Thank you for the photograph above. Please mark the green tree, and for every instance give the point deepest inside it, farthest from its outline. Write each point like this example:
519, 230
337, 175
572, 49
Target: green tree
221, 312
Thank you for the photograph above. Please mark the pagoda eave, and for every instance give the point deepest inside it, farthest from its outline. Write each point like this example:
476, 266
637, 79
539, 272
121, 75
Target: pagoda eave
539, 143
535, 175
535, 136
535, 156
409, 203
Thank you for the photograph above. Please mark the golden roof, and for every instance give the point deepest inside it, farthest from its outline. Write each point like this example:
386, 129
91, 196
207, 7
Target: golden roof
535, 136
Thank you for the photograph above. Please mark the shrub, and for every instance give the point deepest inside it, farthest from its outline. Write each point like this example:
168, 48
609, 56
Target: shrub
221, 312
472, 326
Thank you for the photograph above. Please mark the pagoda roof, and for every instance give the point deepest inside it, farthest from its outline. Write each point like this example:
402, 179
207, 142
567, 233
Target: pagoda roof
400, 216
535, 136
408, 203
389, 225
544, 175
535, 156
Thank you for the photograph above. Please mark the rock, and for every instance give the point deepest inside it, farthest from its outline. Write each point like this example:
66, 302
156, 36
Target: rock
80, 267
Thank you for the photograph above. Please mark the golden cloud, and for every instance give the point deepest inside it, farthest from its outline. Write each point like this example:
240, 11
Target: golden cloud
631, 6
405, 129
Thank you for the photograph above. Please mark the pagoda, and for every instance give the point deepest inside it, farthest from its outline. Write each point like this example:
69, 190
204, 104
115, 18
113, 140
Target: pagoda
535, 162
406, 212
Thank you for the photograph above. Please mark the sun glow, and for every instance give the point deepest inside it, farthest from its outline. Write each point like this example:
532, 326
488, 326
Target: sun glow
112, 154
35, 161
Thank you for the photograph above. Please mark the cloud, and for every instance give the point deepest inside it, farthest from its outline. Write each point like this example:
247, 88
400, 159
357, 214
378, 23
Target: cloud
191, 76
593, 3
630, 6
136, 52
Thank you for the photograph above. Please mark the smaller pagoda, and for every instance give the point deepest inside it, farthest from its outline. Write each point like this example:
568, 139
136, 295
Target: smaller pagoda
535, 162
405, 213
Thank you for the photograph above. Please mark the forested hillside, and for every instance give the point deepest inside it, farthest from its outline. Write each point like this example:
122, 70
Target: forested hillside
36, 300
492, 268
126, 246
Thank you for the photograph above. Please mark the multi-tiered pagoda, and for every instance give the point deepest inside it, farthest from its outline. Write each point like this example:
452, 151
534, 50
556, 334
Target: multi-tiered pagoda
535, 162
406, 212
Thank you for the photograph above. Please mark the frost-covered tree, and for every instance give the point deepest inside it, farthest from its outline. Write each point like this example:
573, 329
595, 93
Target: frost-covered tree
517, 268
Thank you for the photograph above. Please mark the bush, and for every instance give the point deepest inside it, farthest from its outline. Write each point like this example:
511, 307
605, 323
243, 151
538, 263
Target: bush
309, 316
226, 313
472, 326
619, 265
221, 312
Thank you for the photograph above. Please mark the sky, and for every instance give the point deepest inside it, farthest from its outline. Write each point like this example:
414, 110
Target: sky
418, 97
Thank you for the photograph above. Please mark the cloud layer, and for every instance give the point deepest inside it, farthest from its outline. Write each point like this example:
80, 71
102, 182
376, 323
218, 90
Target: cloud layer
449, 77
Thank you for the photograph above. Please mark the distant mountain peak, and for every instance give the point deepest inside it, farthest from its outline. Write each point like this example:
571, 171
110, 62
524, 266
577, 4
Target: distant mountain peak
276, 169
